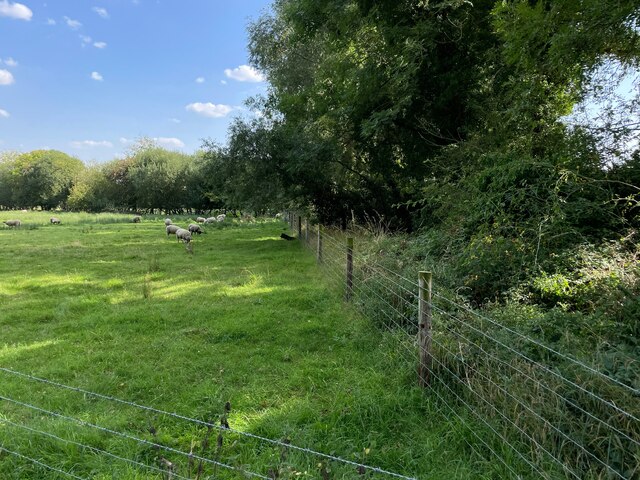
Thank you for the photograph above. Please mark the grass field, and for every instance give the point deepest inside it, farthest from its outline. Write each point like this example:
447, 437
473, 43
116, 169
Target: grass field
119, 309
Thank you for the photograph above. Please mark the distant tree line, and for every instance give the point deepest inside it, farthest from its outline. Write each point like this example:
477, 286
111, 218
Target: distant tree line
148, 178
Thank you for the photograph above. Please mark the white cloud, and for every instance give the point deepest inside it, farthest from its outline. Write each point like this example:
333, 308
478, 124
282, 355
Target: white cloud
96, 76
244, 73
51, 21
171, 142
200, 80
101, 11
6, 78
4, 113
100, 44
90, 144
209, 109
10, 62
15, 10
73, 24
85, 39
223, 82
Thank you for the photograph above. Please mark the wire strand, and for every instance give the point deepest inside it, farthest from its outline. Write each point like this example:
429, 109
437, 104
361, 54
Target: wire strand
42, 464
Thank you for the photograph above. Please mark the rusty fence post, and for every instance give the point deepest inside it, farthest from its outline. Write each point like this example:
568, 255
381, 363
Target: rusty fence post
424, 328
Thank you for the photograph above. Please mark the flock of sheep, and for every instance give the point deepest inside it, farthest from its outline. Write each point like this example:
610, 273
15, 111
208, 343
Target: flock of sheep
183, 234
17, 223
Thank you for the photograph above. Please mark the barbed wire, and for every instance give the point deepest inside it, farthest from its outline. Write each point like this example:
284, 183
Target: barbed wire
95, 449
42, 464
131, 437
633, 390
205, 423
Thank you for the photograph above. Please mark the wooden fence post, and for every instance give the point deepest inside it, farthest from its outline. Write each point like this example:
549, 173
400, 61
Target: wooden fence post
424, 328
349, 291
299, 227
319, 248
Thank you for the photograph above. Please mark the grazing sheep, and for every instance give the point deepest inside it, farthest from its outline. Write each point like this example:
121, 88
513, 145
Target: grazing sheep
55, 220
221, 217
193, 228
172, 229
210, 220
13, 223
183, 235
201, 219
167, 221
136, 219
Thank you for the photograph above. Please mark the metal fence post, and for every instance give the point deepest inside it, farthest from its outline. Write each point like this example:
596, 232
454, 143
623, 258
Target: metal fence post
349, 291
319, 248
424, 328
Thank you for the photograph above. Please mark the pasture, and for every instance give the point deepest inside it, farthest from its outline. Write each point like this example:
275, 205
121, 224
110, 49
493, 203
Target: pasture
119, 309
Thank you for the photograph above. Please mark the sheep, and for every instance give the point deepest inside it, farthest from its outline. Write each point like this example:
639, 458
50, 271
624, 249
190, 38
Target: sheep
55, 220
210, 220
221, 217
201, 219
136, 219
193, 228
183, 235
172, 229
167, 221
13, 223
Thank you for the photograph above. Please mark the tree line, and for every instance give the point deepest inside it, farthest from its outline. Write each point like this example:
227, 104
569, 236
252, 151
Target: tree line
148, 178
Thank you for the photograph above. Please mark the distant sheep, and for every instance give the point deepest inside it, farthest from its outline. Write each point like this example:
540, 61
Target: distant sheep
183, 235
210, 220
136, 219
172, 229
201, 219
221, 217
13, 223
55, 220
167, 221
193, 228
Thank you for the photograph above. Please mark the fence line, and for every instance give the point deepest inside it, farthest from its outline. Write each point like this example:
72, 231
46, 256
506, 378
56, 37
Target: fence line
278, 443
394, 299
42, 464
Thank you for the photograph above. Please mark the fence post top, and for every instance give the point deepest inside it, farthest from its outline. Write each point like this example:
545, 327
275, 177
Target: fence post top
425, 274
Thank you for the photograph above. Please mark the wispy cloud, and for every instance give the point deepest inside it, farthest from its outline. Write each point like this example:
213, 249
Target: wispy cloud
169, 142
85, 39
6, 78
244, 73
200, 80
96, 76
101, 11
50, 21
15, 10
209, 109
10, 62
100, 45
90, 144
4, 113
73, 24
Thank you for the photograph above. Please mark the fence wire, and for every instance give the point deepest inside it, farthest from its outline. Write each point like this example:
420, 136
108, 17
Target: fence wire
556, 414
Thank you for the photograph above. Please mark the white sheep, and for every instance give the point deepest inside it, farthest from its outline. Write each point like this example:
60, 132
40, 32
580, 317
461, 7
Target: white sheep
55, 220
167, 221
172, 229
221, 217
136, 219
13, 223
210, 220
201, 219
194, 228
183, 235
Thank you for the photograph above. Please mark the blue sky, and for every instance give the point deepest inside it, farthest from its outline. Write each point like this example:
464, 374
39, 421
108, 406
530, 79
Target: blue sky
89, 78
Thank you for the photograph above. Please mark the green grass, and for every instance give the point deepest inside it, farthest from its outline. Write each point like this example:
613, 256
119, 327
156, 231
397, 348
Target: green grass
119, 309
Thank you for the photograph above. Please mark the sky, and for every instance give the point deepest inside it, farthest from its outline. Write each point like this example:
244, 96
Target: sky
90, 78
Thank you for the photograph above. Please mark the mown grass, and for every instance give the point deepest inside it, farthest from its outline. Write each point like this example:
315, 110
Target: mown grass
117, 308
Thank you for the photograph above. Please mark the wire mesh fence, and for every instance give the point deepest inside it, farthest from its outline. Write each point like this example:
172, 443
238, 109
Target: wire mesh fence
538, 411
